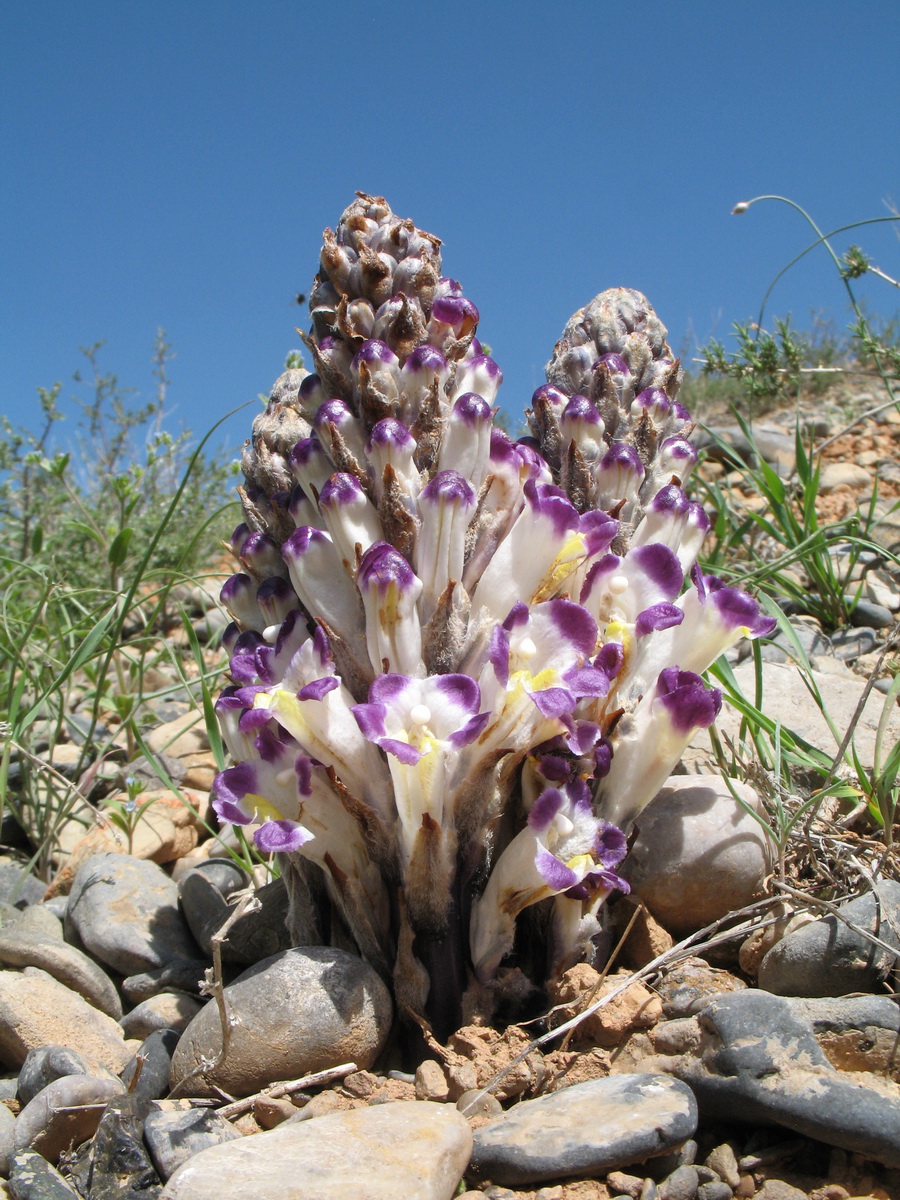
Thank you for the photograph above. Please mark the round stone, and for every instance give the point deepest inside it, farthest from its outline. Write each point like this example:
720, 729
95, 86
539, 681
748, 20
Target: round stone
297, 1012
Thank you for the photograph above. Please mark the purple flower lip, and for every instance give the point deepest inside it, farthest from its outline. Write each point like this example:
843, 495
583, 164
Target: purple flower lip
341, 488
236, 586
656, 617
680, 412
670, 498
697, 516
281, 837
301, 539
615, 363
581, 409
455, 311
375, 351
382, 565
610, 659
309, 386
305, 451
598, 529
390, 432
622, 456
545, 808
550, 501
661, 565
551, 397
334, 411
678, 449
736, 609
654, 397
472, 408
425, 358
448, 486
690, 704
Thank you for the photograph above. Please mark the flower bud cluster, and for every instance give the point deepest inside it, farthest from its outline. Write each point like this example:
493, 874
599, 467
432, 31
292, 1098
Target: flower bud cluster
461, 664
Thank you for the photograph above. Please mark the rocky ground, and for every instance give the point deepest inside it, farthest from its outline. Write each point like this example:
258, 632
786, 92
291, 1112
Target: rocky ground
760, 1057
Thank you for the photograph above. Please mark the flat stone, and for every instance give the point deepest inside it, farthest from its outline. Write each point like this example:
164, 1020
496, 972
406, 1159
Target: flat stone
168, 1010
64, 1114
125, 912
31, 1177
36, 919
414, 1149
843, 474
20, 948
756, 1062
698, 854
48, 1063
586, 1129
183, 735
786, 699
826, 958
175, 1137
36, 1011
182, 975
857, 1033
300, 1011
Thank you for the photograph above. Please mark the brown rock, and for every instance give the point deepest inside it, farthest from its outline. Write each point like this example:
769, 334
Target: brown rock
36, 1011
167, 830
431, 1082
181, 737
581, 986
646, 940
487, 1052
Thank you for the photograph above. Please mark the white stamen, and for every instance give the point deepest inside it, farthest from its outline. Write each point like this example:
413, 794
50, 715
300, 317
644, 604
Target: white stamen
562, 825
526, 648
618, 584
286, 777
420, 714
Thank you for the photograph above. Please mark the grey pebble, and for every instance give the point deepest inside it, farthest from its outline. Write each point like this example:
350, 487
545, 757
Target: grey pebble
868, 613
174, 1137
17, 884
7, 1138
303, 1010
31, 1177
682, 1184
168, 1010
589, 1128
723, 1160
758, 1063
47, 1063
827, 958
255, 935
412, 1148
714, 1190
37, 919
156, 1052
182, 975
125, 912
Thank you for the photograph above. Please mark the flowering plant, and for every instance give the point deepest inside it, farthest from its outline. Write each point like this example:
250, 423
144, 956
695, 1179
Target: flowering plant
461, 664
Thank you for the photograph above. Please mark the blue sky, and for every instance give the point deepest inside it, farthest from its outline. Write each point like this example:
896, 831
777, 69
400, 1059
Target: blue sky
173, 164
